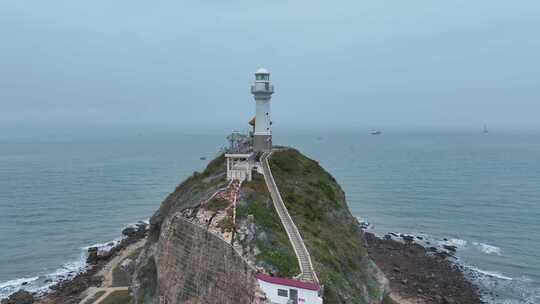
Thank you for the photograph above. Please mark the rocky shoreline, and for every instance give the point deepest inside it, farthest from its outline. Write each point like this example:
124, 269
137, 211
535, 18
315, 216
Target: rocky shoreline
70, 290
421, 275
416, 274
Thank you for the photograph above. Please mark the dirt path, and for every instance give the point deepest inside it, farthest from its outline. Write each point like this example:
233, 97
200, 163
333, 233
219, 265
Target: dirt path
107, 273
107, 270
108, 291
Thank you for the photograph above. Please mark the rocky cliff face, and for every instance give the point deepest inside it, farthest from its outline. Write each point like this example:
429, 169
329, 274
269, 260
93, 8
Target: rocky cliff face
189, 264
185, 263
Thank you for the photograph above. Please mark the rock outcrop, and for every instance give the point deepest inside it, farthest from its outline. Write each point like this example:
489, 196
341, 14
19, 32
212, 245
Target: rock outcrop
19, 297
192, 265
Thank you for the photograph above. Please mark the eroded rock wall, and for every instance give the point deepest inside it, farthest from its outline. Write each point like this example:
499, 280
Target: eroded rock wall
192, 265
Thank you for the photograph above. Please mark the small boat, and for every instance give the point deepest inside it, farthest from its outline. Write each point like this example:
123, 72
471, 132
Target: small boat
203, 158
375, 132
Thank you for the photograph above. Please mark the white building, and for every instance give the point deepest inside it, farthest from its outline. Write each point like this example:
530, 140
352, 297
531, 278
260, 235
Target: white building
262, 91
239, 166
289, 291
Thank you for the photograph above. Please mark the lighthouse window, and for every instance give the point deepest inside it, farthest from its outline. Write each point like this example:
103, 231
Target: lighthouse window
282, 293
259, 77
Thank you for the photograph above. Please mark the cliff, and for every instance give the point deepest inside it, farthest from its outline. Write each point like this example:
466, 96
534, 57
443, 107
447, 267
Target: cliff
196, 254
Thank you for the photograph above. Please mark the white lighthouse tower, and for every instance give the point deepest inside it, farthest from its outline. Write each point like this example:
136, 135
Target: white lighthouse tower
262, 91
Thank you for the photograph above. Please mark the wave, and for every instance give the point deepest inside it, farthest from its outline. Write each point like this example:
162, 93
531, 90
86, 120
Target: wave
492, 274
17, 282
459, 243
488, 249
41, 284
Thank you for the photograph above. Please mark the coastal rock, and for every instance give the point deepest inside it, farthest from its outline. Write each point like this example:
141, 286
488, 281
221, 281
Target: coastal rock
450, 248
421, 273
407, 238
19, 297
128, 266
92, 256
137, 231
432, 249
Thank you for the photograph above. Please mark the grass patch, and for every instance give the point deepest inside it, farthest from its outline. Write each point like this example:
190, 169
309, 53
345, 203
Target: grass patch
216, 205
94, 298
226, 224
118, 297
283, 260
317, 205
388, 300
257, 183
270, 237
119, 277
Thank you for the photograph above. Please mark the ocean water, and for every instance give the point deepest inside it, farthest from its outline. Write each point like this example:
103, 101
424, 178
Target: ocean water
61, 193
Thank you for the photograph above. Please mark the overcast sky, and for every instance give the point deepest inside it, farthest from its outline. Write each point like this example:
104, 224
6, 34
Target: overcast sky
342, 63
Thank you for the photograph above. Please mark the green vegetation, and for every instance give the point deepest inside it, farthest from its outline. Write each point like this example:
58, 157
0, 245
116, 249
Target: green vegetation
226, 224
216, 205
318, 207
388, 300
120, 277
195, 189
276, 252
118, 297
148, 281
94, 298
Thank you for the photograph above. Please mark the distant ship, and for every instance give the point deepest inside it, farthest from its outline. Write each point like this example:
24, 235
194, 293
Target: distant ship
485, 130
375, 132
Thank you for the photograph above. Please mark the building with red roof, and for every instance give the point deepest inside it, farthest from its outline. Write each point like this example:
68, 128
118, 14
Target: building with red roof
289, 291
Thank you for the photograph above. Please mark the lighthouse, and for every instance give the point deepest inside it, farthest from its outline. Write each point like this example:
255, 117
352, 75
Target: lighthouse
262, 90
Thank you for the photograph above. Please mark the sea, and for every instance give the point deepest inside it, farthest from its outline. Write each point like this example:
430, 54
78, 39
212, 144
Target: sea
64, 191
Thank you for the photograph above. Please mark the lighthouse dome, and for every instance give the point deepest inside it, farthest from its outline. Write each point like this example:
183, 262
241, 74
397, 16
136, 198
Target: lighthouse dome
262, 71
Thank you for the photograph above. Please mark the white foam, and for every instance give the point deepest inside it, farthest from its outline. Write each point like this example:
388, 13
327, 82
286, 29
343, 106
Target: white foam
459, 243
66, 271
492, 274
488, 249
9, 287
17, 282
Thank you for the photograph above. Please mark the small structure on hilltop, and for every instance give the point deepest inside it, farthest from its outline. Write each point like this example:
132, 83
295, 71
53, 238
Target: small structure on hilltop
285, 291
242, 151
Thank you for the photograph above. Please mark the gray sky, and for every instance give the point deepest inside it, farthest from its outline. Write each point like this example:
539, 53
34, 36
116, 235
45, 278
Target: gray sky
343, 63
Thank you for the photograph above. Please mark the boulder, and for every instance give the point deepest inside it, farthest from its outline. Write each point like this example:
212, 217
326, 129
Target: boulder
128, 266
137, 231
407, 238
93, 257
19, 297
450, 248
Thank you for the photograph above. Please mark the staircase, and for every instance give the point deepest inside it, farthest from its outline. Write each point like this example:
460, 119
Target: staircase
304, 260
